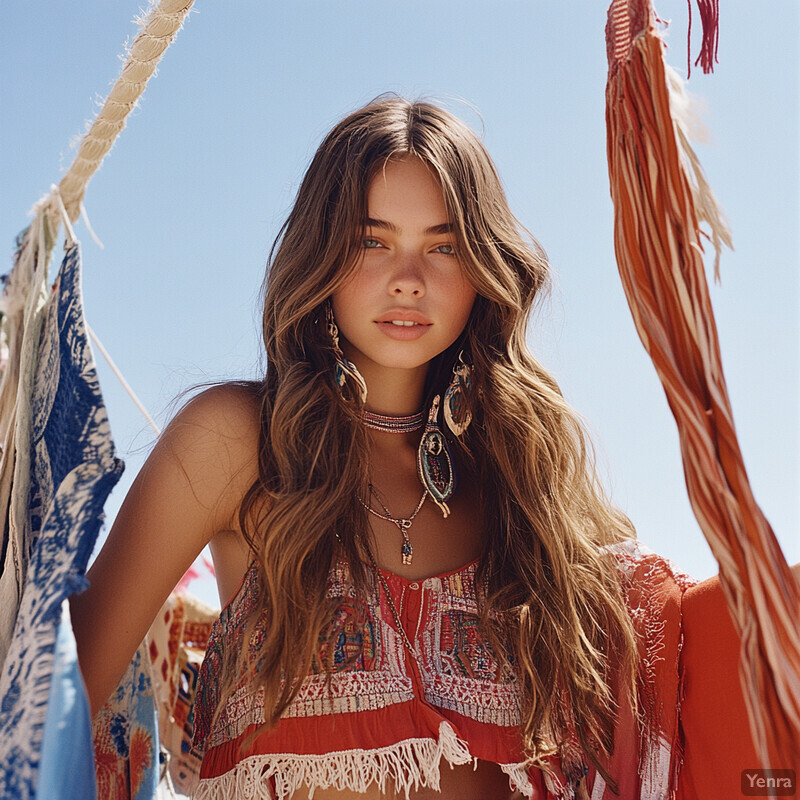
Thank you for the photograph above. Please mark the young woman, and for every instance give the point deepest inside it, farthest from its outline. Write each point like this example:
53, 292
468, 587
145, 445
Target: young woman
427, 592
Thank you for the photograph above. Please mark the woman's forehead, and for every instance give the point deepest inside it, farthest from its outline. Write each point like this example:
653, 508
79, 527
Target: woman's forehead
407, 193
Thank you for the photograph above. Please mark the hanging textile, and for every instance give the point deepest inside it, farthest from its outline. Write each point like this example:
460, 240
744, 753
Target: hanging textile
25, 291
72, 470
57, 461
660, 198
66, 768
177, 643
125, 735
143, 734
23, 298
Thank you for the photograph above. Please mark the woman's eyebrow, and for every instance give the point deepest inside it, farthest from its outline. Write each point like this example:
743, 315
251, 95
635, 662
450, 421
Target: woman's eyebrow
434, 230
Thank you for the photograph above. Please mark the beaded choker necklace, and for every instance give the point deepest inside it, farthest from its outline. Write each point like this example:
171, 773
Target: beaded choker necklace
387, 424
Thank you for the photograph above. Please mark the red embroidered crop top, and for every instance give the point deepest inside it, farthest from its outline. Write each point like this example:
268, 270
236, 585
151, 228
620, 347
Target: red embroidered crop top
391, 718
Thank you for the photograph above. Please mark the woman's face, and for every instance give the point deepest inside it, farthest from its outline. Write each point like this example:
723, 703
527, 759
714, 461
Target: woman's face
408, 299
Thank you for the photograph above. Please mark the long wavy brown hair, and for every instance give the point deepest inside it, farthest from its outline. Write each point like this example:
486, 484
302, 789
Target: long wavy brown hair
554, 607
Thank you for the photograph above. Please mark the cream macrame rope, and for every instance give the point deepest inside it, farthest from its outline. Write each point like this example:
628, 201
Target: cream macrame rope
159, 28
22, 298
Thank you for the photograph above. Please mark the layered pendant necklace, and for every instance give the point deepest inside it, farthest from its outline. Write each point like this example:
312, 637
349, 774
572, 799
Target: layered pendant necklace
403, 524
389, 424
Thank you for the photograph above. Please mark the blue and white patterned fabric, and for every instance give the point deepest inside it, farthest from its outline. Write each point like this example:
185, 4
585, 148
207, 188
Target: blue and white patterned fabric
73, 469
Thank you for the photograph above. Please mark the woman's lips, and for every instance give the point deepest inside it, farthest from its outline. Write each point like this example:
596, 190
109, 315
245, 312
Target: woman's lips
403, 333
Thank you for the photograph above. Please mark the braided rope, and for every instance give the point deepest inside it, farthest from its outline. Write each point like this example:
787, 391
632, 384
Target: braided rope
159, 28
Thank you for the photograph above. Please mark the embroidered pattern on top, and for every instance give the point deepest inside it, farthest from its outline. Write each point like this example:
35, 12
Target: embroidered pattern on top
460, 671
368, 664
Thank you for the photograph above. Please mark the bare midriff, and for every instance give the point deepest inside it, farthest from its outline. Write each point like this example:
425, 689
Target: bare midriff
463, 782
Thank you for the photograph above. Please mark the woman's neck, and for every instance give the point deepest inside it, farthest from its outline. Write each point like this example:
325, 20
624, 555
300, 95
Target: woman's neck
393, 392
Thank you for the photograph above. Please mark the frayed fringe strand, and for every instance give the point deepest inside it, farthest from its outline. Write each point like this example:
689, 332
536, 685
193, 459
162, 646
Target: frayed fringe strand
518, 779
408, 764
709, 17
686, 124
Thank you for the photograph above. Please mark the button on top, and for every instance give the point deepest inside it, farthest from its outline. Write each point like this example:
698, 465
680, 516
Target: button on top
413, 585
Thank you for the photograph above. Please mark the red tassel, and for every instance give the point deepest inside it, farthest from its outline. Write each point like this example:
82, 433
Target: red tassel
709, 16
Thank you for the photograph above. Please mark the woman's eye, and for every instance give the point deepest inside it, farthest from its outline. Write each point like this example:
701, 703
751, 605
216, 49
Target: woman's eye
371, 244
446, 249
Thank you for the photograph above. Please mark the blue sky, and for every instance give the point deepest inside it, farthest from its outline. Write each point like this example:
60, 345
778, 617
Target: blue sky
193, 193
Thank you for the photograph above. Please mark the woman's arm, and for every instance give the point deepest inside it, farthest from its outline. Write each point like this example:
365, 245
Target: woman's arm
190, 488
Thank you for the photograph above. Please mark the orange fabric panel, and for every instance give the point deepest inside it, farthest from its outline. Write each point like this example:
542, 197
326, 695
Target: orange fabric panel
715, 727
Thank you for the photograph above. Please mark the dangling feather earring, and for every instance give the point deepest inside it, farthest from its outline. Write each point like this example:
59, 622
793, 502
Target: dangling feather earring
343, 367
434, 464
456, 410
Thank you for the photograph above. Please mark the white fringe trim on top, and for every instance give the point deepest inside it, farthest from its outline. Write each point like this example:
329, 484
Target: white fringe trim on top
518, 778
410, 764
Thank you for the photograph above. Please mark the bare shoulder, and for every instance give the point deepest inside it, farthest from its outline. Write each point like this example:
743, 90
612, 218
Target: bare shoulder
216, 440
226, 416
227, 407
189, 490
213, 441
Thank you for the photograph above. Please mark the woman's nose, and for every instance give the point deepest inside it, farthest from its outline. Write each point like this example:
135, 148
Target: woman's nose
407, 277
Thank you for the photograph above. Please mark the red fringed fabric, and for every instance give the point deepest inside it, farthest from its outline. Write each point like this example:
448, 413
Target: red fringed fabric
659, 198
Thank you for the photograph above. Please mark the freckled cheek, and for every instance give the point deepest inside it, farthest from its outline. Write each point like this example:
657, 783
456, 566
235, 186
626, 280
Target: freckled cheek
352, 291
353, 304
361, 285
465, 309
462, 295
345, 305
